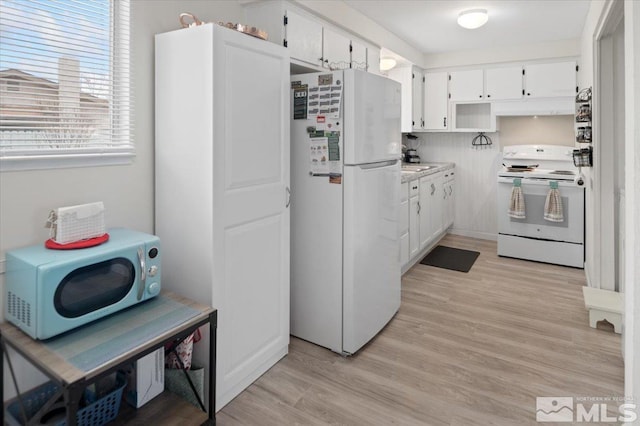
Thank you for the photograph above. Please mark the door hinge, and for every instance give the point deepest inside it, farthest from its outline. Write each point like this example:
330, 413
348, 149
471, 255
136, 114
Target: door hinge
350, 48
523, 74
449, 95
413, 75
286, 20
522, 92
449, 77
576, 89
284, 42
423, 79
577, 68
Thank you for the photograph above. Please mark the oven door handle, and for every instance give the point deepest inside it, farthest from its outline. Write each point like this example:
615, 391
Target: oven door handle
536, 181
143, 273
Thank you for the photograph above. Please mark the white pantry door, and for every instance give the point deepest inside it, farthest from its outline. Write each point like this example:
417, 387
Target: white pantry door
251, 230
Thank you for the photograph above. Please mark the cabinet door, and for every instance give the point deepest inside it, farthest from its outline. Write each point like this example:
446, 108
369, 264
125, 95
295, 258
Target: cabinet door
550, 80
466, 85
252, 216
404, 225
404, 76
436, 104
426, 188
336, 54
416, 99
436, 205
304, 38
414, 226
358, 56
450, 188
503, 83
373, 59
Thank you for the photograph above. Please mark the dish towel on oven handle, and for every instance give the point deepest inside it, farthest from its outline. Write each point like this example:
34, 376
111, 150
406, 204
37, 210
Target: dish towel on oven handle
516, 205
553, 205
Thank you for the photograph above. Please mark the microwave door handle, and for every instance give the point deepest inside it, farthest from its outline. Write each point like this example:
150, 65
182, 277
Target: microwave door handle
143, 273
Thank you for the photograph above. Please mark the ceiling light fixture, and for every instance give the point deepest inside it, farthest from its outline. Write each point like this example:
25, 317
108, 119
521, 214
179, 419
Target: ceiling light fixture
387, 63
472, 19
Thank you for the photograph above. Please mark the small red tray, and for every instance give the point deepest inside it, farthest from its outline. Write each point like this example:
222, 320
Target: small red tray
91, 242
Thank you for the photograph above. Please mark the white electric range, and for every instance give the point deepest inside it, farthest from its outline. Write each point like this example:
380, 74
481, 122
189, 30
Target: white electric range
537, 168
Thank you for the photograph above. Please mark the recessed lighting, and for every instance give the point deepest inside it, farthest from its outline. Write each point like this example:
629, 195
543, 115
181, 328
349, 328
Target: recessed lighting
473, 18
387, 63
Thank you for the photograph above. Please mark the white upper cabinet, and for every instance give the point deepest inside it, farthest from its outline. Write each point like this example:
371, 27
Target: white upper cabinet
466, 85
304, 38
373, 59
336, 50
436, 102
417, 93
412, 92
550, 80
358, 56
503, 83
310, 39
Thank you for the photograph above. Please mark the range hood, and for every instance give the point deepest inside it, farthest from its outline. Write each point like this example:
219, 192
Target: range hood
542, 106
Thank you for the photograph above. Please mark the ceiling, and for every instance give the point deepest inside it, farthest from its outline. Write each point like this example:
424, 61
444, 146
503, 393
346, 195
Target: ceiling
430, 25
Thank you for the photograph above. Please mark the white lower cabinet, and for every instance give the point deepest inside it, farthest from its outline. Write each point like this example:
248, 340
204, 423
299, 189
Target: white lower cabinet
414, 215
404, 223
426, 204
427, 210
448, 188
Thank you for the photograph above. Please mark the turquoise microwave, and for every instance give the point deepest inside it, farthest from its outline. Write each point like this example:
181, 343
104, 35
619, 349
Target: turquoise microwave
49, 292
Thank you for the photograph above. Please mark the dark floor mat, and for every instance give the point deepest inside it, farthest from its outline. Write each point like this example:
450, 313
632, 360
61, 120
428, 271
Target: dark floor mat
451, 258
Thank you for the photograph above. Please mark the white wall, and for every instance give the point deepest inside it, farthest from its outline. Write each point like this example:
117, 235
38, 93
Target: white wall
631, 329
632, 189
127, 191
476, 178
585, 78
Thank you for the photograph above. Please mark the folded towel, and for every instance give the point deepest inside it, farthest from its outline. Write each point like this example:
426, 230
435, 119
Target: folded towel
516, 205
553, 205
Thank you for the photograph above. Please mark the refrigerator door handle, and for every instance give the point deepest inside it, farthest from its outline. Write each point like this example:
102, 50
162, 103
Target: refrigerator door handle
288, 197
377, 165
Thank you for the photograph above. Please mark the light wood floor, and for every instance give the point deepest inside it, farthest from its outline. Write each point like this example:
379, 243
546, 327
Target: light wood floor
465, 348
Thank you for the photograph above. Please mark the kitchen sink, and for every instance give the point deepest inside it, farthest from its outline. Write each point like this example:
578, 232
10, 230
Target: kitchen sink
415, 169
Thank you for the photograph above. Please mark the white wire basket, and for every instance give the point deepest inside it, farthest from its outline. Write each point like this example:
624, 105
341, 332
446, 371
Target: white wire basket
77, 223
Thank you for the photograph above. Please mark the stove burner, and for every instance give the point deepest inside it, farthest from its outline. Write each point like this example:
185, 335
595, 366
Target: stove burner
519, 169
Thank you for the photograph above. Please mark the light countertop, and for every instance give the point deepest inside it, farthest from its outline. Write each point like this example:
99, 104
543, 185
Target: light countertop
433, 168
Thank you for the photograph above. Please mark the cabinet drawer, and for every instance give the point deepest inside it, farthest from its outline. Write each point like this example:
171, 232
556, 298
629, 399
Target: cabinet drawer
414, 188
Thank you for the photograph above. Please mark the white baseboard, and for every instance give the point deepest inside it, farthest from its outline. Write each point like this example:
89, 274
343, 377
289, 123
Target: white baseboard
474, 234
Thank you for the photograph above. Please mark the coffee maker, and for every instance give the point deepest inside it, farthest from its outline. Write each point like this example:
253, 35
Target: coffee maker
411, 156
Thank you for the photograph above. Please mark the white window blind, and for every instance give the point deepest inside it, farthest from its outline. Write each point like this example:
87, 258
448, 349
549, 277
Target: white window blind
64, 83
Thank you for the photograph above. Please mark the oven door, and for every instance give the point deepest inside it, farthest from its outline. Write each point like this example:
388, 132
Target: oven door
535, 191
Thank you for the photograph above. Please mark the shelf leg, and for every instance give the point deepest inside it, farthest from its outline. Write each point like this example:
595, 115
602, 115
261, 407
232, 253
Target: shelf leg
213, 325
72, 395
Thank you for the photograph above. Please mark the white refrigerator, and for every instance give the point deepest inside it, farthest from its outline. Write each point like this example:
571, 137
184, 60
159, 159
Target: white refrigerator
345, 183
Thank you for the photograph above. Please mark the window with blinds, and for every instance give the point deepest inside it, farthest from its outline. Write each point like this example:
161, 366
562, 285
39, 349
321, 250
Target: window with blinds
64, 83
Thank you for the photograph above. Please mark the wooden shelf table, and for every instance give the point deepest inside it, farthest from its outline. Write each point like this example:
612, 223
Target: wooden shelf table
80, 357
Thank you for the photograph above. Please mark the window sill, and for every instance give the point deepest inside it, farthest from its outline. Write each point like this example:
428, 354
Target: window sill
63, 161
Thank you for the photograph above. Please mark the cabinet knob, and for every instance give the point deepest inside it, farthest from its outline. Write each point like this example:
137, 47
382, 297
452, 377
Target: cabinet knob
488, 96
528, 94
480, 96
